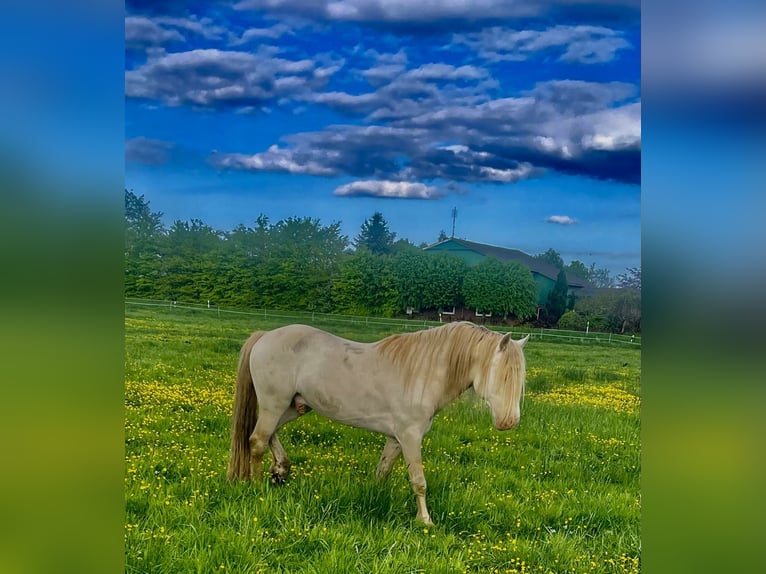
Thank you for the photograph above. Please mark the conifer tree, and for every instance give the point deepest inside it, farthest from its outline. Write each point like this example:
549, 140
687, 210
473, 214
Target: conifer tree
375, 236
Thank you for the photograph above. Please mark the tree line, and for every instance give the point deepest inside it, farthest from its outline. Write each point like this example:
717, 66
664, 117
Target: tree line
301, 264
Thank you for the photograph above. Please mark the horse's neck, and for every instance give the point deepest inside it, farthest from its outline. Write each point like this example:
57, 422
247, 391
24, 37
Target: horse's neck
422, 355
464, 369
451, 394
481, 365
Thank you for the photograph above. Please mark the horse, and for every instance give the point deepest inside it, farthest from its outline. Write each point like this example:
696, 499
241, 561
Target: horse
394, 386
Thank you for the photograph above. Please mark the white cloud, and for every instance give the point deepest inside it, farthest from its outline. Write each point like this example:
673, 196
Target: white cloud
259, 34
613, 129
570, 127
523, 171
388, 189
445, 72
382, 58
436, 12
144, 32
360, 104
579, 44
211, 77
383, 73
561, 220
201, 26
273, 159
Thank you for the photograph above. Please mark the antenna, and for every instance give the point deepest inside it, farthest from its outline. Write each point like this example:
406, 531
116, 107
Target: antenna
454, 217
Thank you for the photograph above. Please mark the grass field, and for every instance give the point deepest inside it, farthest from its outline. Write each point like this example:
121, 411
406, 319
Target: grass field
560, 493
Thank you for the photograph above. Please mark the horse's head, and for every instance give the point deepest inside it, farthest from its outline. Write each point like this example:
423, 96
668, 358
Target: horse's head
504, 385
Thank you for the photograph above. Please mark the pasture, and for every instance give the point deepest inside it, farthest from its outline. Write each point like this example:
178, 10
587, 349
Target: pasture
561, 493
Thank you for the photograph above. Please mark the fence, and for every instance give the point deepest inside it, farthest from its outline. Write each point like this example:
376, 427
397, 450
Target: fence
540, 334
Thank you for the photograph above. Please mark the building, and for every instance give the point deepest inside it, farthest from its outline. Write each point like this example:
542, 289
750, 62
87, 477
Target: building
543, 273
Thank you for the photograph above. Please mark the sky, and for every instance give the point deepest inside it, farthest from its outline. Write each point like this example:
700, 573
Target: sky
525, 116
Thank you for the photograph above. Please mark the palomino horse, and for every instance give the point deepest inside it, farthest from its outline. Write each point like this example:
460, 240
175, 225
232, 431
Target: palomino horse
394, 387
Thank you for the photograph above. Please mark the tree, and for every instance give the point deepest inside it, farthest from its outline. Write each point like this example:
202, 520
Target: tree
290, 265
556, 303
410, 278
142, 226
247, 249
428, 280
615, 310
631, 279
366, 285
189, 263
138, 216
301, 261
552, 257
577, 268
626, 313
596, 277
375, 235
442, 236
445, 273
599, 277
500, 288
404, 245
143, 234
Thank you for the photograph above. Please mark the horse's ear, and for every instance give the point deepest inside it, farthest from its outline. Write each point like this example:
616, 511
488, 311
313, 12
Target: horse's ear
504, 342
523, 341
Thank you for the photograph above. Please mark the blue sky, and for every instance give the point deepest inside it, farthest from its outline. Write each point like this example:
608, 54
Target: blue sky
523, 115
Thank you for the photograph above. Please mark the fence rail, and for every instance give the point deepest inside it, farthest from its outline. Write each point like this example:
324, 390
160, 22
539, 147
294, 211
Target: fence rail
591, 337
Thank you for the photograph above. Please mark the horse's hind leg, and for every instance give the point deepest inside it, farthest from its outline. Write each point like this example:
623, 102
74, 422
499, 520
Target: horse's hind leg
280, 466
260, 438
280, 411
391, 452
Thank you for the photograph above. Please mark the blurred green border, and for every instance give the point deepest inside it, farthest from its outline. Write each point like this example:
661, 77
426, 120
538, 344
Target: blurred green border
61, 335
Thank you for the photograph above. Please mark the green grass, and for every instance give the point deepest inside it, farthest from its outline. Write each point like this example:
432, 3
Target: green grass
558, 494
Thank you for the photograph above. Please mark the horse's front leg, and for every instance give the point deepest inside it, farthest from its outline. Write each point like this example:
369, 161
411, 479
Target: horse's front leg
391, 452
411, 450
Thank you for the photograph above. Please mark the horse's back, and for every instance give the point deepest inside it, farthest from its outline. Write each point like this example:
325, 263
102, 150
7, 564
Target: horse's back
344, 380
299, 345
297, 338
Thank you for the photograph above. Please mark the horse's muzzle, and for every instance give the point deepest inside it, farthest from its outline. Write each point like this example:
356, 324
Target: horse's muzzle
507, 425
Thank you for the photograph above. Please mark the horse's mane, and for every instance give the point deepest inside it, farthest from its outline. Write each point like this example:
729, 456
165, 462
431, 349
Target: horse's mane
455, 346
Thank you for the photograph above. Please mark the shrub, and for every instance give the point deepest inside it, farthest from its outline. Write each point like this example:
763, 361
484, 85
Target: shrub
573, 321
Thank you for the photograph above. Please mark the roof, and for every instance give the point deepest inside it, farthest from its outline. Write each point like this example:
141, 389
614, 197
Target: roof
509, 255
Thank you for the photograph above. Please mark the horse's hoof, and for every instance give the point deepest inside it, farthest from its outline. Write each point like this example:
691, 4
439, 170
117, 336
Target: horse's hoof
424, 521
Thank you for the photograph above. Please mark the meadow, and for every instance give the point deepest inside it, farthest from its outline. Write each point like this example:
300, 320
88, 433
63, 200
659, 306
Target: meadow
561, 493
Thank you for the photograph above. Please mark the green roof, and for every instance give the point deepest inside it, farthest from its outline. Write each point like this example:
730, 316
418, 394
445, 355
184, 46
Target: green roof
509, 255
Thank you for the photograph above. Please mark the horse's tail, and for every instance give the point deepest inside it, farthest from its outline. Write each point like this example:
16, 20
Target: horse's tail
245, 413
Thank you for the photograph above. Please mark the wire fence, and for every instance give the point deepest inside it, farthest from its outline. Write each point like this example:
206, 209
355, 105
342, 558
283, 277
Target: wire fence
394, 325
